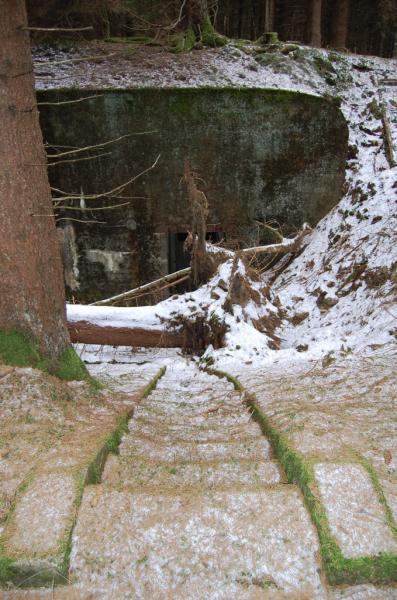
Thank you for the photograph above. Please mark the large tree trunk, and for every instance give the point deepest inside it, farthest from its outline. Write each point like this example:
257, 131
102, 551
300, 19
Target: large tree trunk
341, 23
195, 11
31, 284
315, 31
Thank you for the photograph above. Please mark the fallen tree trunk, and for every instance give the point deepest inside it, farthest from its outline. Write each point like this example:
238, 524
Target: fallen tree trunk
89, 333
286, 246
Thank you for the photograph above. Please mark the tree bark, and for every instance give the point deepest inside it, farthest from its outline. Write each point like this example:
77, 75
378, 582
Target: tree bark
341, 23
195, 11
269, 15
31, 284
89, 333
315, 32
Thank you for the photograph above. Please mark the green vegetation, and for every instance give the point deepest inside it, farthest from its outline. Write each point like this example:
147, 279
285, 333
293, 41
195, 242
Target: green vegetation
185, 41
209, 37
19, 350
70, 366
374, 569
5, 567
152, 385
378, 489
113, 440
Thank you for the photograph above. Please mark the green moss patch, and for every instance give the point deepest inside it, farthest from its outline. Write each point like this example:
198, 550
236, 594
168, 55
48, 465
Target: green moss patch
338, 568
19, 350
210, 37
185, 41
5, 568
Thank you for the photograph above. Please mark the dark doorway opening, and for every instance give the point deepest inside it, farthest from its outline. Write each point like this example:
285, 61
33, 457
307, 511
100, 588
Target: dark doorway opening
177, 257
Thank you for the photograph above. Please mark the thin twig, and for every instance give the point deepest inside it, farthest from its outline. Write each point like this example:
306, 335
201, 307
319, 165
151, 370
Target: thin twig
108, 193
73, 160
85, 148
74, 60
90, 28
69, 101
92, 209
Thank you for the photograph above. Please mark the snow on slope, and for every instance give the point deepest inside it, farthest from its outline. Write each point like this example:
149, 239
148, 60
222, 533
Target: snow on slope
346, 279
340, 294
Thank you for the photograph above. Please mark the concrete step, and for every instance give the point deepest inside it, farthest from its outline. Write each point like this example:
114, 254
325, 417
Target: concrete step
222, 416
134, 447
141, 474
208, 432
231, 544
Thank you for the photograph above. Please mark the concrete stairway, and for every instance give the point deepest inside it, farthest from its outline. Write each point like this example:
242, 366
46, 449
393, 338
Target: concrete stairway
194, 506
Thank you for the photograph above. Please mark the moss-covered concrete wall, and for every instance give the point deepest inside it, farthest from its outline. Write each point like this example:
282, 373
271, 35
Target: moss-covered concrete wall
262, 154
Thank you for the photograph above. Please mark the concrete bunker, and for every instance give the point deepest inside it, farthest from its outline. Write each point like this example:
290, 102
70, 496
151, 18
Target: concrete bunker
262, 155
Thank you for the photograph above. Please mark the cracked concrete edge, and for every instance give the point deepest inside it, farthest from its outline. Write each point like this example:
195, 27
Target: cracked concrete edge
41, 570
339, 569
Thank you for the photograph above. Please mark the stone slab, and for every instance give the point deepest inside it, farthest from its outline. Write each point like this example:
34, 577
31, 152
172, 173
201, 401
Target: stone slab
203, 545
42, 518
142, 474
364, 592
356, 518
184, 432
257, 449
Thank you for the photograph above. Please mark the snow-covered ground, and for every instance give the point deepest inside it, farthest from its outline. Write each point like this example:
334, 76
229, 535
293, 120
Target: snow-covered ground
340, 294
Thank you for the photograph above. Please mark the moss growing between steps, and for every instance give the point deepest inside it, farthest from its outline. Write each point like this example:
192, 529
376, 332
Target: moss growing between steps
339, 569
5, 567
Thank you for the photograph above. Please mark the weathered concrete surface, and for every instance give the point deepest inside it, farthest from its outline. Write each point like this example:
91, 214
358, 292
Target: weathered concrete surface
274, 142
175, 518
51, 431
202, 528
340, 419
168, 543
356, 517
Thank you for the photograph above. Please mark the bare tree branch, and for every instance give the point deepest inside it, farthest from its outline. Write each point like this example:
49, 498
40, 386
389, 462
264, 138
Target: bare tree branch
89, 28
73, 160
74, 60
85, 148
69, 101
143, 288
284, 247
113, 206
119, 188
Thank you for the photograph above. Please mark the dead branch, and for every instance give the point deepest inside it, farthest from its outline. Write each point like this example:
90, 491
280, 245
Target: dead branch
109, 193
284, 247
389, 147
69, 101
89, 28
112, 207
77, 150
74, 60
73, 160
199, 210
143, 288
271, 229
158, 290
